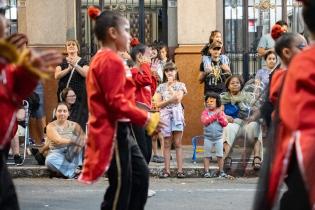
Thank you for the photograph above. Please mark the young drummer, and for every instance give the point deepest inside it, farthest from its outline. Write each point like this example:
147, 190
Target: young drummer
111, 146
19, 73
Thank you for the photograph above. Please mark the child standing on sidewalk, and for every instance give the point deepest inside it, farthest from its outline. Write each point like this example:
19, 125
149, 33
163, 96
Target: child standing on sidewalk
169, 96
213, 119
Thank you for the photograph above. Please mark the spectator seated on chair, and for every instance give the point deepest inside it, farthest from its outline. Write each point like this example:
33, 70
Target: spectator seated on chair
66, 140
234, 102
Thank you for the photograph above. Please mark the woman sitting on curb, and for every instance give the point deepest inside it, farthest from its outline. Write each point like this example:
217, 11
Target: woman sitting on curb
66, 139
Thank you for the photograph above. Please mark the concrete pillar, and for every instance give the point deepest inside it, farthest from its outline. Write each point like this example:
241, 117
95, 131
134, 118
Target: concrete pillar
48, 24
196, 19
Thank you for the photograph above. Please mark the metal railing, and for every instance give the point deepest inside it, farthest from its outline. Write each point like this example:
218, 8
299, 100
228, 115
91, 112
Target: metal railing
237, 63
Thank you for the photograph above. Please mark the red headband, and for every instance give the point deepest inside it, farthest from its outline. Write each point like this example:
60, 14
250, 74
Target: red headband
276, 31
134, 42
94, 12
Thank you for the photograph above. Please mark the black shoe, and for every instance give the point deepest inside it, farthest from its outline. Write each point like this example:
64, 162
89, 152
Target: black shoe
34, 151
17, 159
40, 158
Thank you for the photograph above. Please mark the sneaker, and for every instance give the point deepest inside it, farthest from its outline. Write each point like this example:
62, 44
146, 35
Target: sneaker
157, 159
17, 159
151, 193
223, 175
207, 175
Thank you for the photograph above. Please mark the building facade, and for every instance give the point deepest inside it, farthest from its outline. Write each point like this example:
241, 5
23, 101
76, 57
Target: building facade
185, 25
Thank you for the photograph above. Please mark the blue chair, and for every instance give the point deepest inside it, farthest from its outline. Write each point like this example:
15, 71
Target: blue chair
194, 142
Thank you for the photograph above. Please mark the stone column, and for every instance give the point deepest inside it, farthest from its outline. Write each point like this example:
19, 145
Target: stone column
196, 19
21, 16
48, 24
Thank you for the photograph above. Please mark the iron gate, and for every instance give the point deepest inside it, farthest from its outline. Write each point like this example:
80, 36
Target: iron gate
148, 21
245, 21
11, 15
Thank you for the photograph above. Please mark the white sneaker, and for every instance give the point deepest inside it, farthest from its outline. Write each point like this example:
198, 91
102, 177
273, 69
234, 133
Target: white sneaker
151, 193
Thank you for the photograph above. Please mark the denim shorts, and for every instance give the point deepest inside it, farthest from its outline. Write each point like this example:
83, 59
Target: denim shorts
170, 124
208, 145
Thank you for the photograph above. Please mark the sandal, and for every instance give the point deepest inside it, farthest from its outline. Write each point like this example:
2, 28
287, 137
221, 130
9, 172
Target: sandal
181, 175
227, 163
164, 174
256, 165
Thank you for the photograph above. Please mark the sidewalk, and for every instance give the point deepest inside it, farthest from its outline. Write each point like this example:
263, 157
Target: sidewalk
30, 169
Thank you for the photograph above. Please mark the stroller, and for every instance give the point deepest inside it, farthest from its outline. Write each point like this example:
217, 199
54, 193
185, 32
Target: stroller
23, 115
28, 106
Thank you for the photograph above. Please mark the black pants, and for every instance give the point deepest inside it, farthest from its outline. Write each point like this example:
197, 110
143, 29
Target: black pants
296, 197
8, 198
128, 174
144, 141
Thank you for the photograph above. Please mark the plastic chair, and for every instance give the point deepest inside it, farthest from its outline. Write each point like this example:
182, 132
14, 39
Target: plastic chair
194, 142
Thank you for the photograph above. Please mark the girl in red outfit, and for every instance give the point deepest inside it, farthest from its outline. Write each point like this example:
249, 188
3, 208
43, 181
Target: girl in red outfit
294, 155
111, 99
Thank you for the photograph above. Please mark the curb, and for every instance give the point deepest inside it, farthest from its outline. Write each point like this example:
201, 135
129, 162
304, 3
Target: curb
190, 172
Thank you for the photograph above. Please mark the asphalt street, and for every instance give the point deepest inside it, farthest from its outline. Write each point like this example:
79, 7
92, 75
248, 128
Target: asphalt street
171, 194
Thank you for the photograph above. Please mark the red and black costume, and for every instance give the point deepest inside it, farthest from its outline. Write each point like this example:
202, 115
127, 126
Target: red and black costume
145, 88
295, 139
16, 84
110, 143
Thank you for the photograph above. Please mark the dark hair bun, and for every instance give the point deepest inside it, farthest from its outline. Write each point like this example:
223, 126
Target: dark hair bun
134, 42
276, 31
94, 12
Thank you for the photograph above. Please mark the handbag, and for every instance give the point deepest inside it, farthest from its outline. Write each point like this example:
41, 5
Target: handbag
231, 110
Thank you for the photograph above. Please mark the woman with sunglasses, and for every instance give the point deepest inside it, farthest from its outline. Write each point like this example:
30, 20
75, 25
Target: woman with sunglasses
70, 98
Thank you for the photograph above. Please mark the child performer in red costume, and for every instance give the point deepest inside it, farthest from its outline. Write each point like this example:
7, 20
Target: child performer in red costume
294, 149
19, 74
111, 99
145, 88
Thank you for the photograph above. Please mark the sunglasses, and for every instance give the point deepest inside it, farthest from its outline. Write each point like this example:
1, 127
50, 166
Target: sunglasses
71, 96
217, 48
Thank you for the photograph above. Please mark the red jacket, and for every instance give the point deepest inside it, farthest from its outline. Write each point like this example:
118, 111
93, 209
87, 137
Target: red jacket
110, 91
297, 114
276, 84
16, 84
144, 81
